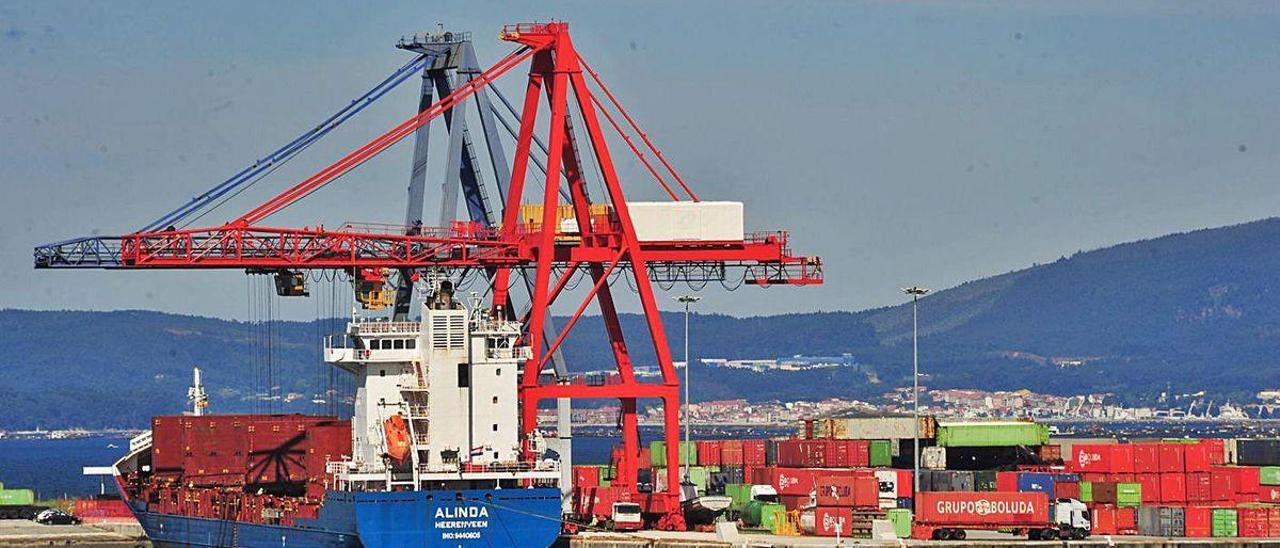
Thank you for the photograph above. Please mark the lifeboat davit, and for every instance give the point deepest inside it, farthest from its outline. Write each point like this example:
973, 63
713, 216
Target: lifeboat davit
397, 432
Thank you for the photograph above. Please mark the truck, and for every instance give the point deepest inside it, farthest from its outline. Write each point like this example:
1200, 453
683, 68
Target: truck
947, 515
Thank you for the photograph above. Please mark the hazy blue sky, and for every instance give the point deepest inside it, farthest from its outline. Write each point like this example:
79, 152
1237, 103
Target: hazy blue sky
927, 142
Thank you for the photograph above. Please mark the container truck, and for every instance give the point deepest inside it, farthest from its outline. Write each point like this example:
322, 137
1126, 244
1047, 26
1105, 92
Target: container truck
947, 515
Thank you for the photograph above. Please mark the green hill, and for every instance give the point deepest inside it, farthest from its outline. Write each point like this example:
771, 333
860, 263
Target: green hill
1199, 310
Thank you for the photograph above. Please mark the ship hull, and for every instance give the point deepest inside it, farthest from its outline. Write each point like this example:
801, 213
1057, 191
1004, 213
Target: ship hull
485, 517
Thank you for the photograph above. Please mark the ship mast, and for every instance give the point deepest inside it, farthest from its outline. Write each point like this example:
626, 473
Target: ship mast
196, 394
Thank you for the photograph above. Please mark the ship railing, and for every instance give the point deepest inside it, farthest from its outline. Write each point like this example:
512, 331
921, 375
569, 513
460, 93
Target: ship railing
140, 441
517, 353
387, 327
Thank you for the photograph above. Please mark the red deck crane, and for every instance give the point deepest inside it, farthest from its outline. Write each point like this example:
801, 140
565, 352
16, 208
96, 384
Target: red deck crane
604, 243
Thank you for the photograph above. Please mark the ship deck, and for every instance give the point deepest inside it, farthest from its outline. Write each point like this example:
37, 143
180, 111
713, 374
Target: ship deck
677, 539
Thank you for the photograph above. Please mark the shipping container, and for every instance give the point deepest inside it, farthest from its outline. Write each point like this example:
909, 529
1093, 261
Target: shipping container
1127, 520
854, 491
658, 453
833, 522
586, 476
1050, 454
1248, 479
1146, 458
709, 453
1216, 449
1066, 489
992, 434
1222, 486
876, 428
687, 221
1225, 522
1198, 457
1171, 457
764, 515
1269, 475
1258, 452
1033, 481
1104, 520
753, 452
880, 453
17, 497
1199, 487
1198, 521
1086, 491
984, 509
1162, 521
1173, 488
1101, 458
1273, 521
1150, 487
1128, 495
933, 458
731, 452
901, 519
986, 480
1253, 521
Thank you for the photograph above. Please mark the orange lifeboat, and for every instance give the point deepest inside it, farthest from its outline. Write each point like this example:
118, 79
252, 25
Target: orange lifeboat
397, 431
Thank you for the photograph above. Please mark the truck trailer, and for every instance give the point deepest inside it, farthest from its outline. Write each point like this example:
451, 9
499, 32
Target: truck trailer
947, 515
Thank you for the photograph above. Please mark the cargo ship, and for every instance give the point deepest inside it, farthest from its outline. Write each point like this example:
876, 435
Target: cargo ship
432, 455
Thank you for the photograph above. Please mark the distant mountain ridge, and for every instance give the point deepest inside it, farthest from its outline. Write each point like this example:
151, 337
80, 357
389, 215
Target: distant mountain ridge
1195, 310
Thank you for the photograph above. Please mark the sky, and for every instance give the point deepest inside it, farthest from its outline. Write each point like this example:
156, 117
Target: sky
906, 143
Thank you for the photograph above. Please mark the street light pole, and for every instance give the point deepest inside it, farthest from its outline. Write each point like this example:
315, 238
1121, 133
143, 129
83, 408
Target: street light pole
687, 300
915, 292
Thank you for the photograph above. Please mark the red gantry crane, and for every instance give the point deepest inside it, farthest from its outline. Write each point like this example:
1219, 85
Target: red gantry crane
604, 241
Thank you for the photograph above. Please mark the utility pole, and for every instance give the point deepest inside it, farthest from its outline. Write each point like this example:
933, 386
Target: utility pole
687, 300
915, 292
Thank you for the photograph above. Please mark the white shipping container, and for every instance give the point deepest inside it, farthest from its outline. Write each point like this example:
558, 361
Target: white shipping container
934, 458
687, 221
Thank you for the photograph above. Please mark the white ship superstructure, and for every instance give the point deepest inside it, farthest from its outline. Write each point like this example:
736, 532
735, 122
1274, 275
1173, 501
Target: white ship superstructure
451, 379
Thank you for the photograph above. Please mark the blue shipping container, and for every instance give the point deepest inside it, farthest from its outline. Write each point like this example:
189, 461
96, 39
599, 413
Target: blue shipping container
1030, 481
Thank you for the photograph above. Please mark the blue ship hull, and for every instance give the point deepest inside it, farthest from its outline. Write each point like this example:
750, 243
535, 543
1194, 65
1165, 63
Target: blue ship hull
487, 517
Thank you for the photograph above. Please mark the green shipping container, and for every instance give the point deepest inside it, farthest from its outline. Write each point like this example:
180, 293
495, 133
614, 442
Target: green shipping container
17, 497
881, 453
992, 434
658, 453
1086, 491
1225, 522
1129, 494
1269, 475
901, 518
698, 475
739, 494
763, 515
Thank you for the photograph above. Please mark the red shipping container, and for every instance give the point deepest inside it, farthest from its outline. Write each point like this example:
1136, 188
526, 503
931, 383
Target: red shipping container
1171, 457
1173, 488
1126, 521
1252, 521
1122, 478
793, 481
1093, 477
1273, 521
1222, 486
1150, 487
586, 476
1198, 521
1146, 458
1091, 458
832, 522
753, 452
762, 475
859, 453
1066, 490
709, 453
1198, 457
906, 484
731, 452
1104, 519
1007, 482
837, 453
1217, 451
943, 508
860, 490
1269, 493
1247, 480
794, 502
1122, 459
1199, 487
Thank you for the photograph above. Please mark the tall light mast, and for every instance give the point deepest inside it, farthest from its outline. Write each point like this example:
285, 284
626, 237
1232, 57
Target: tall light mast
196, 394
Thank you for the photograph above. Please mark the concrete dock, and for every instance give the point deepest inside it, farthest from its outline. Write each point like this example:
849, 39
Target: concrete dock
660, 539
21, 532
